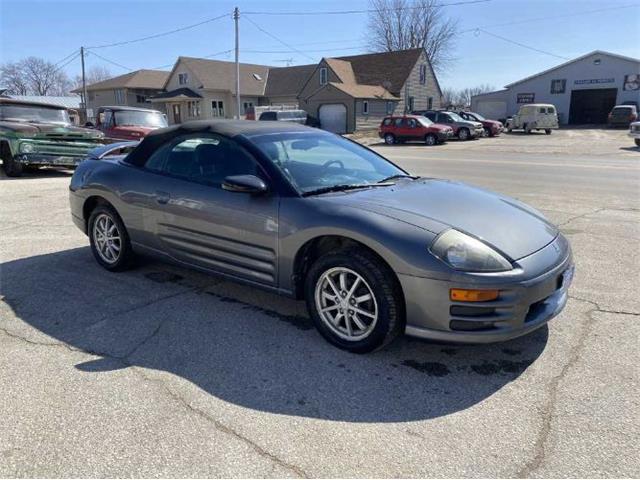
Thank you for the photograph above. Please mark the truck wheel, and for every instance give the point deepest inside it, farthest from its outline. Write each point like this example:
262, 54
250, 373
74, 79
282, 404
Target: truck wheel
430, 139
638, 142
487, 132
463, 134
547, 131
11, 167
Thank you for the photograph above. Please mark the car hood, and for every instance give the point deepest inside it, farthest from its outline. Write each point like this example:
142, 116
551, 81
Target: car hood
133, 130
510, 226
45, 130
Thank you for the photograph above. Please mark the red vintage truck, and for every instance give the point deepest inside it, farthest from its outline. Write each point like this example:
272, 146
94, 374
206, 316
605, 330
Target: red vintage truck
128, 123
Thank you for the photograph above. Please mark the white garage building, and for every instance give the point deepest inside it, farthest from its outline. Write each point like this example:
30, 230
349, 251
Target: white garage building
584, 90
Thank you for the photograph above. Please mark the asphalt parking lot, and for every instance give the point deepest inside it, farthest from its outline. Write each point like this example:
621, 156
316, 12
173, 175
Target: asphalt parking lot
161, 371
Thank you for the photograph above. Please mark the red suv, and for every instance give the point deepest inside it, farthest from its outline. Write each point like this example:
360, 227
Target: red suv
413, 128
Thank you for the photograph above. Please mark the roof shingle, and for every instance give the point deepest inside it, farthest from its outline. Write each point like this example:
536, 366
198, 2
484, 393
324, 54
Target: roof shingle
149, 79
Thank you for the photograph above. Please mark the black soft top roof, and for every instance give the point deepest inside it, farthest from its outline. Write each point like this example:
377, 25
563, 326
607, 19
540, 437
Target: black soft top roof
228, 128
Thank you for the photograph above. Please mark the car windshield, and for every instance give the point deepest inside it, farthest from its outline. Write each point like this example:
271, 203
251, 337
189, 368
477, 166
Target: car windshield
425, 121
140, 119
29, 113
319, 161
455, 117
477, 116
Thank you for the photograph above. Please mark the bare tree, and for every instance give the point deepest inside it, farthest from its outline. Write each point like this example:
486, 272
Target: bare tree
13, 79
34, 76
94, 74
463, 96
403, 24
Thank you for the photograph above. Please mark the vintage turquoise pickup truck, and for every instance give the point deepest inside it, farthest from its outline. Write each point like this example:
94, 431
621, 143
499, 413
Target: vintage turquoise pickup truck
33, 135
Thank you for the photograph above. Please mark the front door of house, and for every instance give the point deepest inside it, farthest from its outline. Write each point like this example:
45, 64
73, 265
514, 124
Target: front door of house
176, 113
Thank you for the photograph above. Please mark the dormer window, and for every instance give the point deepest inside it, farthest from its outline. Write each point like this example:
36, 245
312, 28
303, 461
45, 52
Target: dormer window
183, 78
323, 75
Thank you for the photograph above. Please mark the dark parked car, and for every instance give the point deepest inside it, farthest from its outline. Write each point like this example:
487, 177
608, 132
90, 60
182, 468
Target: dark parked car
491, 127
413, 128
462, 129
622, 115
302, 212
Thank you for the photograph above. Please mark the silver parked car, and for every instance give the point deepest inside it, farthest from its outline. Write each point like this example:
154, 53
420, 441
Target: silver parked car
374, 250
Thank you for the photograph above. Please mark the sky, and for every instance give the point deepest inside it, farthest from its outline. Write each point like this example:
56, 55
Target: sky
54, 29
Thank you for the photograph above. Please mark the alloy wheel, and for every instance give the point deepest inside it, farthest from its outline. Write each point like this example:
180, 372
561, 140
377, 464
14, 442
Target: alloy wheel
107, 238
346, 304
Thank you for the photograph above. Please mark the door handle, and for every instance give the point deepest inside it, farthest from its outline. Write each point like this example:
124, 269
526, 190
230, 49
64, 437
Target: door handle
162, 198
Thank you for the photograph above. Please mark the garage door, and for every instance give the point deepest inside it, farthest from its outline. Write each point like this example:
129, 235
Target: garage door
494, 110
333, 117
591, 106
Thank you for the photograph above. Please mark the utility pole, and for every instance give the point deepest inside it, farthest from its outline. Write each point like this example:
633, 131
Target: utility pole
236, 17
84, 86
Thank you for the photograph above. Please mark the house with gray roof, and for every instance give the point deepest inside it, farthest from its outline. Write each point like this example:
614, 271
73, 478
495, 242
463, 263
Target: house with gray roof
344, 94
132, 89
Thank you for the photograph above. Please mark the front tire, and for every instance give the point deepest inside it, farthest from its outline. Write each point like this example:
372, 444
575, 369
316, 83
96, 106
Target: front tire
463, 134
354, 301
430, 139
109, 239
10, 166
547, 131
637, 142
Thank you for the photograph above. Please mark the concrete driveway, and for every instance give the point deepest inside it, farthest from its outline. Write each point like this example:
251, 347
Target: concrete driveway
161, 371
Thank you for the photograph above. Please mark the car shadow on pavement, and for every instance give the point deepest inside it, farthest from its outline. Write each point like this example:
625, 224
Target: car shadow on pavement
244, 346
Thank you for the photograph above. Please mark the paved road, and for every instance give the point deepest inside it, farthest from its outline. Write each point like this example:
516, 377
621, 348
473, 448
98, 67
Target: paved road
165, 372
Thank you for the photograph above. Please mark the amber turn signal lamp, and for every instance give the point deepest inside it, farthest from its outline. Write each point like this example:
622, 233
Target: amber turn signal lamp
464, 295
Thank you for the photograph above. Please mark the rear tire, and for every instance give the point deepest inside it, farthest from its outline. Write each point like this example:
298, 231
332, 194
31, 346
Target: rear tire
375, 321
487, 132
389, 139
430, 139
109, 239
547, 131
463, 134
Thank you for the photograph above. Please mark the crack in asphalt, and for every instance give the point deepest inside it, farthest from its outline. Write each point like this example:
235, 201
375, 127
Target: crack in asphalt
596, 211
124, 360
547, 411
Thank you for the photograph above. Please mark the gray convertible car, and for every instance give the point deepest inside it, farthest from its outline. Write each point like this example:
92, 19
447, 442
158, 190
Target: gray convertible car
373, 250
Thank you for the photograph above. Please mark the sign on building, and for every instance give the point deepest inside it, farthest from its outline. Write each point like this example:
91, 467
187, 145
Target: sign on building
526, 97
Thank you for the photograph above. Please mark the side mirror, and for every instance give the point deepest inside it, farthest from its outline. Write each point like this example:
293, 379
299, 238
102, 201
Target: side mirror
244, 184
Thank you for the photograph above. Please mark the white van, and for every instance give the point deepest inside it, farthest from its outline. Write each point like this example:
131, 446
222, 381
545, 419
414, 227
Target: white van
534, 116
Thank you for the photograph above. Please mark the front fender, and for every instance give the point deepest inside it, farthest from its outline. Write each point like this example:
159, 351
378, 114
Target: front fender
402, 245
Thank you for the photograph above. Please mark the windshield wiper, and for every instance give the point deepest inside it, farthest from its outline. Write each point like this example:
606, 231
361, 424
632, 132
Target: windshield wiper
399, 175
343, 187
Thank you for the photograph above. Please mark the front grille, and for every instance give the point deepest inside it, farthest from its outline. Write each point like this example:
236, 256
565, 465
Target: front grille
471, 325
534, 310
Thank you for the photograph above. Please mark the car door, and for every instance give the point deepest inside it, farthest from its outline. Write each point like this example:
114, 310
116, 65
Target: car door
412, 130
196, 221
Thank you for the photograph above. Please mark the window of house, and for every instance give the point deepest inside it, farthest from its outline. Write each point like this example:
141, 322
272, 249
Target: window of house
247, 106
323, 76
423, 74
120, 97
183, 78
558, 86
365, 108
141, 99
410, 104
217, 108
194, 109
597, 61
390, 107
430, 103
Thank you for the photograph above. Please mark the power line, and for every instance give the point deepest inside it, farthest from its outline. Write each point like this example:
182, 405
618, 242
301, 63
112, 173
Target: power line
277, 39
75, 52
359, 47
357, 12
170, 32
66, 63
536, 19
111, 61
521, 44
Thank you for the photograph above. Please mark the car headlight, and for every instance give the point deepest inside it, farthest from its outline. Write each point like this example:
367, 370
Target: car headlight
462, 252
27, 148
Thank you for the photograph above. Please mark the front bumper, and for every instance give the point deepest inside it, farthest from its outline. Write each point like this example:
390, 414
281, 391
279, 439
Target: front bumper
522, 307
444, 136
476, 132
47, 159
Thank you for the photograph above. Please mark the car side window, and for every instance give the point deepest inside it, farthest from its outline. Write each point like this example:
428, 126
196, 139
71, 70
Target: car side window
398, 122
542, 110
203, 159
411, 123
443, 118
386, 122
